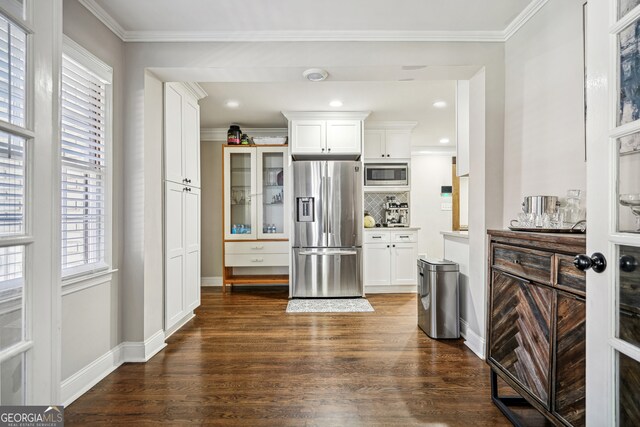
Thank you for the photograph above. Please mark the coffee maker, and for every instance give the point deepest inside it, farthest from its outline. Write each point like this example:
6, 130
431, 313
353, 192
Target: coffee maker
396, 214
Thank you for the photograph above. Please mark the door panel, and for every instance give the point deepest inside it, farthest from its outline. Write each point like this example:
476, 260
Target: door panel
570, 359
192, 244
240, 193
173, 160
308, 136
327, 272
344, 136
309, 221
377, 264
398, 144
174, 253
520, 338
374, 145
344, 204
191, 141
403, 263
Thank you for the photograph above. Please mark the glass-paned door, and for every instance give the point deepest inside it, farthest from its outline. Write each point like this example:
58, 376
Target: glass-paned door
613, 212
272, 187
240, 192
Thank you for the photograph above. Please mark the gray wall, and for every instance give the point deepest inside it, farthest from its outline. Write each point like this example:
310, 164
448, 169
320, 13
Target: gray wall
211, 181
544, 106
91, 317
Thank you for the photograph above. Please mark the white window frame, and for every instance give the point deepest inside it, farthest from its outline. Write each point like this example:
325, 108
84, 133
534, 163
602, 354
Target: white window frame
104, 72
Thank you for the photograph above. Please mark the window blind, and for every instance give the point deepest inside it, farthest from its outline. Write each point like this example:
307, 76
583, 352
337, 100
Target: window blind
83, 167
13, 42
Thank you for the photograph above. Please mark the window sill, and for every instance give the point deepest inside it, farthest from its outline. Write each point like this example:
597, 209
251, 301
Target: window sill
80, 282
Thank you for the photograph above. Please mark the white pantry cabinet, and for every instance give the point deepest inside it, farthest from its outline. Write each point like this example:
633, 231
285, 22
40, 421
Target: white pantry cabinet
181, 135
390, 260
182, 252
387, 141
181, 202
316, 134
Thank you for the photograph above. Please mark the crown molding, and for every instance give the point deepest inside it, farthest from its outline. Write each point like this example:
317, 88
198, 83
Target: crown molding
195, 89
105, 18
326, 115
523, 17
313, 36
220, 134
497, 36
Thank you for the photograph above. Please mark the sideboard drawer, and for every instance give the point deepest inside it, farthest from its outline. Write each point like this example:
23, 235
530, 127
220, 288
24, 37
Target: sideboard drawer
569, 277
256, 260
256, 247
526, 263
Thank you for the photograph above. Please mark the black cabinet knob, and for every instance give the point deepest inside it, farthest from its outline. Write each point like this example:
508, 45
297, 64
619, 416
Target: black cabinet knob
628, 263
597, 261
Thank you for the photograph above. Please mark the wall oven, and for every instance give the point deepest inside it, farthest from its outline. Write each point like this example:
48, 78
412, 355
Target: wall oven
386, 175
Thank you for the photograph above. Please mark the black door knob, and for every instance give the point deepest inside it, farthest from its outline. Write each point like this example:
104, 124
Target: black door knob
628, 263
597, 261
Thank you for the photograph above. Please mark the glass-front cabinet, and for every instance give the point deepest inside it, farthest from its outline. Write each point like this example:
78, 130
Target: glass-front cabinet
255, 192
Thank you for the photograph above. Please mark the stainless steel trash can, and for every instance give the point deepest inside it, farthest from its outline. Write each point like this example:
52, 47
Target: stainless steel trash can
438, 314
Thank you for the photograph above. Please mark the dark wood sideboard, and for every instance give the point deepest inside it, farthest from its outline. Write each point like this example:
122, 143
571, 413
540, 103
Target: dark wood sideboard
536, 323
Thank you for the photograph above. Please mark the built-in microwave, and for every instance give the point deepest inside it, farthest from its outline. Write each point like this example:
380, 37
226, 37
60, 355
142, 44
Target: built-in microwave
386, 174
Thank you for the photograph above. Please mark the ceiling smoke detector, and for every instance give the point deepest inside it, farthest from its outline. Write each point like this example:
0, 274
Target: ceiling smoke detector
315, 74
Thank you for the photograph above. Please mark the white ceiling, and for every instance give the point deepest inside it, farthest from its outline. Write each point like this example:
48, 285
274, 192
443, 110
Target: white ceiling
261, 104
238, 16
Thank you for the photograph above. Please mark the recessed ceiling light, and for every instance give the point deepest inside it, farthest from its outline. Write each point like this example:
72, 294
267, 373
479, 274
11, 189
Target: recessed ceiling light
439, 104
315, 74
444, 140
232, 103
336, 103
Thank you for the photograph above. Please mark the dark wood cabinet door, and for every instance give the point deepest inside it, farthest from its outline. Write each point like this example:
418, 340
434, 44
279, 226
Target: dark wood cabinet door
520, 328
570, 359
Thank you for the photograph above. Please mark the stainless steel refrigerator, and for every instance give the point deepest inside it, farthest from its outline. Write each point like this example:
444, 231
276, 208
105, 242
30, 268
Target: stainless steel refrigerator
327, 231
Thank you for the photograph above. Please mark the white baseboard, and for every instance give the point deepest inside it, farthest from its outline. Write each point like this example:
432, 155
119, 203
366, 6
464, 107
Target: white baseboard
472, 340
390, 289
143, 351
80, 382
211, 281
178, 325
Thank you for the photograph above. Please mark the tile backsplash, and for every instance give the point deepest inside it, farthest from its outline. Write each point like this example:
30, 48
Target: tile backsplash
373, 203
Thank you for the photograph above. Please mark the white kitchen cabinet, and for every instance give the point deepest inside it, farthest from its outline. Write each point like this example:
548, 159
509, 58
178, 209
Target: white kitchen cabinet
377, 264
182, 252
181, 135
404, 269
316, 134
390, 261
388, 141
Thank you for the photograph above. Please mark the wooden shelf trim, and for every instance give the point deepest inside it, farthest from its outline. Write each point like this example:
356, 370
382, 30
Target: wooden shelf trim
266, 279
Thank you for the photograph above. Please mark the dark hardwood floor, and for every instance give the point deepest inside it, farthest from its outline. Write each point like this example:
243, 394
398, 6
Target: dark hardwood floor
243, 361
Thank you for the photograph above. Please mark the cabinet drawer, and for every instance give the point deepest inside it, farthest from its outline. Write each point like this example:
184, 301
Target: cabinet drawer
376, 236
256, 248
526, 263
404, 236
569, 277
256, 260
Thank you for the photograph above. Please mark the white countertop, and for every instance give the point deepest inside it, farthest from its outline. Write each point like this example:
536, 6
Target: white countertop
392, 229
458, 234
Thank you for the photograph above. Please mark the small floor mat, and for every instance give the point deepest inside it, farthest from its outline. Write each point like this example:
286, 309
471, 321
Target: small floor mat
350, 305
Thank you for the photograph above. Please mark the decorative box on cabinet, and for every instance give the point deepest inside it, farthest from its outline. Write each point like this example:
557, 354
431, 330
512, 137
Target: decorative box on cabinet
536, 323
256, 209
322, 134
389, 258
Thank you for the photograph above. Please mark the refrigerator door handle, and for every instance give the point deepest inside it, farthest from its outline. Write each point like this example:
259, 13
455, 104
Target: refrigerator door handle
329, 200
328, 253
